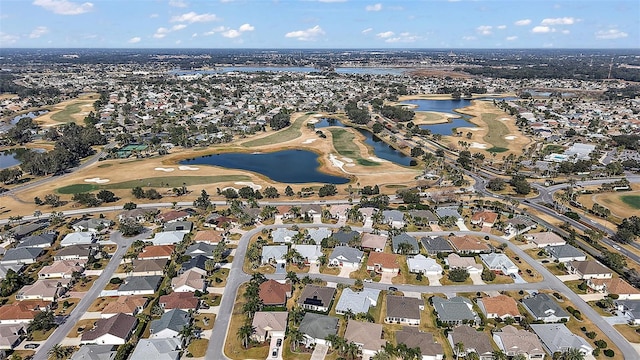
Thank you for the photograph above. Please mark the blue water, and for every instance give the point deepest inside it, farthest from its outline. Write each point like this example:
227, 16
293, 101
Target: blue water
325, 122
8, 159
286, 166
32, 115
382, 150
444, 106
295, 69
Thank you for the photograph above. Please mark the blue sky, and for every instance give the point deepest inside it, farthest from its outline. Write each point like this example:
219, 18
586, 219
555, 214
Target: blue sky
320, 24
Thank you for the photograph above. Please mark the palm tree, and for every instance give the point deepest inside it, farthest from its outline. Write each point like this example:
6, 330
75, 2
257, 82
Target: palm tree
209, 265
381, 355
571, 354
351, 351
296, 337
187, 333
499, 355
59, 352
293, 277
244, 334
458, 349
296, 315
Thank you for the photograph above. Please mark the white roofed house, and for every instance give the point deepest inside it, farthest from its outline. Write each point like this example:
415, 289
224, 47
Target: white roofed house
424, 265
545, 239
78, 238
345, 256
310, 253
274, 254
168, 237
499, 263
357, 301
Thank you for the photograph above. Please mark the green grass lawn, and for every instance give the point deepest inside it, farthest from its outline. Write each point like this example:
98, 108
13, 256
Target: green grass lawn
162, 182
497, 149
345, 145
67, 112
496, 131
631, 200
77, 188
290, 133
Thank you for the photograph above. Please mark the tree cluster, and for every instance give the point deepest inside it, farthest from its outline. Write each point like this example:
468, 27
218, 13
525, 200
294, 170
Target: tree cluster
520, 185
151, 194
397, 113
327, 190
628, 230
280, 121
356, 114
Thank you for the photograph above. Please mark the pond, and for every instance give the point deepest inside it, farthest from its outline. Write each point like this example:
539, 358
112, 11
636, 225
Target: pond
327, 122
286, 166
9, 158
384, 151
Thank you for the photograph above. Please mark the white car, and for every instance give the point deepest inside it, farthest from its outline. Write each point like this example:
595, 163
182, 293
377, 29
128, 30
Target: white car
368, 280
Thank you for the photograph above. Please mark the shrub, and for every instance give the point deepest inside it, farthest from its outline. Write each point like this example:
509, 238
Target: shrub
596, 352
609, 353
115, 280
601, 343
458, 275
591, 335
557, 295
614, 296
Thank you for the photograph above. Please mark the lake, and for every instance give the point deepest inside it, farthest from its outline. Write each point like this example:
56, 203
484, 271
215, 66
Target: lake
327, 122
8, 159
443, 106
383, 150
286, 166
295, 69
32, 115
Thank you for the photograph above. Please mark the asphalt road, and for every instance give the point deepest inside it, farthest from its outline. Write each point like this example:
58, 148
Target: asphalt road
61, 332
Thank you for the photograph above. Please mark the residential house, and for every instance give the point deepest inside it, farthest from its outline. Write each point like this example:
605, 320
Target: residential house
78, 238
339, 211
130, 305
403, 310
472, 341
631, 308
184, 226
311, 209
383, 262
367, 213
156, 252
148, 267
11, 335
92, 225
76, 252
513, 342
519, 224
545, 239
499, 263
170, 324
23, 256
201, 248
484, 218
189, 281
544, 308
282, 235
212, 237
589, 269
617, 286
499, 307
167, 237
424, 265
274, 254
185, 301
157, 349
423, 217
316, 298
173, 216
357, 301
436, 244
95, 352
310, 253
269, 324
138, 214
4, 269
448, 211
469, 245
454, 311
317, 235
45, 290
366, 335
345, 256
467, 262
565, 253
139, 285
558, 338
38, 241
273, 293
20, 312
346, 237
20, 231
62, 269
373, 242
414, 338
197, 263
411, 248
316, 327
393, 218
285, 211
115, 330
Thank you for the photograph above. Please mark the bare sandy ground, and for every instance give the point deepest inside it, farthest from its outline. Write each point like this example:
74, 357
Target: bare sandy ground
86, 107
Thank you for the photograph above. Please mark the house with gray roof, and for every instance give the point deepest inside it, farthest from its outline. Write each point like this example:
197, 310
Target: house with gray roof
316, 298
393, 218
473, 342
423, 217
22, 230
282, 235
544, 308
558, 338
39, 241
424, 265
170, 324
157, 349
95, 352
346, 256
345, 237
78, 238
92, 225
274, 254
139, 285
115, 330
76, 252
565, 253
310, 253
631, 308
454, 311
184, 226
316, 328
499, 263
4, 268
448, 211
357, 301
519, 342
25, 255
168, 237
201, 248
403, 310
405, 238
436, 244
414, 338
317, 235
367, 336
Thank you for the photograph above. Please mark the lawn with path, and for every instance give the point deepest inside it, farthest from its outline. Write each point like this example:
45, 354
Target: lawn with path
344, 142
160, 182
290, 133
496, 131
632, 200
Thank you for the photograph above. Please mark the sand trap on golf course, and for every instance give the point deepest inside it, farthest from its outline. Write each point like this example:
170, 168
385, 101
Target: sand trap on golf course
97, 180
476, 145
510, 137
250, 184
335, 162
189, 168
309, 141
164, 169
376, 159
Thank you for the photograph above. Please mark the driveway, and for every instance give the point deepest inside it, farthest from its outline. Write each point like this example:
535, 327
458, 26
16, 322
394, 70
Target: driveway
386, 277
518, 279
314, 268
570, 277
319, 352
592, 297
345, 271
434, 280
281, 268
477, 279
272, 346
317, 219
460, 224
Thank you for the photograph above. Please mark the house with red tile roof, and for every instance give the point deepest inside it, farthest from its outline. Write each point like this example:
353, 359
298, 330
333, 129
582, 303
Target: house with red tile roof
179, 300
383, 262
500, 306
130, 305
484, 218
273, 293
469, 245
17, 313
156, 252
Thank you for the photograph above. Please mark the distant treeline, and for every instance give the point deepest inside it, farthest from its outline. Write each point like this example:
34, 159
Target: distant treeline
7, 85
555, 69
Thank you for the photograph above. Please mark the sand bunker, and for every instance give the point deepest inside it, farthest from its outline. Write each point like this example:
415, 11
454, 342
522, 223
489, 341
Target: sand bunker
250, 184
335, 162
309, 141
376, 159
164, 169
510, 137
189, 168
504, 119
476, 145
97, 180
473, 129
313, 121
347, 160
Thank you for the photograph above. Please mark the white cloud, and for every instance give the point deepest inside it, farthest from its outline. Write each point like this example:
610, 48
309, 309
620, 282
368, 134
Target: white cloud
611, 34
385, 35
64, 7
8, 39
501, 27
153, 16
374, 7
468, 38
161, 32
523, 22
231, 34
512, 38
306, 35
367, 30
566, 32
134, 40
193, 17
39, 31
246, 27
559, 21
542, 30
404, 37
178, 27
215, 30
194, 35
484, 29
177, 3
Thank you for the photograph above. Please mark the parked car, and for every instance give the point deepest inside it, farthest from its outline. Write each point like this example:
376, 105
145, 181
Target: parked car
31, 346
274, 354
367, 280
393, 288
279, 342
